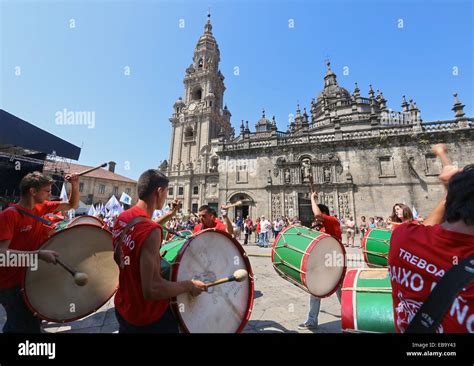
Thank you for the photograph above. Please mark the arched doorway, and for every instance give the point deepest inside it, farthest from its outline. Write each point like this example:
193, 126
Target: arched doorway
243, 210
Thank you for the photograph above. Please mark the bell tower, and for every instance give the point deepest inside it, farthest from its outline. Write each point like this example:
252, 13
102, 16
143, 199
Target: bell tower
199, 116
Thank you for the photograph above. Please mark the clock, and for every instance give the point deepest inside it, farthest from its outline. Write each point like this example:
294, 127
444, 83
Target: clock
192, 106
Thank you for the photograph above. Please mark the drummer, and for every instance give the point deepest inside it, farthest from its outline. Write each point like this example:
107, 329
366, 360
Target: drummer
416, 248
330, 225
142, 299
208, 219
23, 231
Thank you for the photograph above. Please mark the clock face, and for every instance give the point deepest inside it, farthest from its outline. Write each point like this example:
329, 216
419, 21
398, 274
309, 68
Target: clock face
192, 106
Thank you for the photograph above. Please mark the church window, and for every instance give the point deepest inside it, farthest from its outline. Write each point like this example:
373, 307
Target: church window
189, 133
386, 167
242, 173
432, 165
197, 94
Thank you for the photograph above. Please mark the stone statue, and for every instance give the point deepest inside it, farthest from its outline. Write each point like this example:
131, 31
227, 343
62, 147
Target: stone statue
305, 170
276, 171
163, 166
287, 176
327, 174
214, 163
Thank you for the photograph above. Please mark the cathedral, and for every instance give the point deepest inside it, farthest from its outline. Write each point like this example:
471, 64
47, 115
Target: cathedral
363, 156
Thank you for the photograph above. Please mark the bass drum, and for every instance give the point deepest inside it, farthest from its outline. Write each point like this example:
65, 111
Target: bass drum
208, 256
50, 291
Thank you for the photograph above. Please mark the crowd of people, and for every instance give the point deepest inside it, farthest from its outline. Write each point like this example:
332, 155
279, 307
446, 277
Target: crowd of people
423, 248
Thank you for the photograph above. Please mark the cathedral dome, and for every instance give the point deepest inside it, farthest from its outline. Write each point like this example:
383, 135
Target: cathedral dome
263, 124
332, 91
331, 88
263, 121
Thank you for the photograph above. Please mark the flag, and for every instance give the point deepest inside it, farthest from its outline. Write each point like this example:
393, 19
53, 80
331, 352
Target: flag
415, 214
113, 206
63, 196
156, 214
101, 210
92, 211
71, 213
125, 198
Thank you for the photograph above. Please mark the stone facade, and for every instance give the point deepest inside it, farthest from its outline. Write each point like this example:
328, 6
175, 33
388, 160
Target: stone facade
362, 156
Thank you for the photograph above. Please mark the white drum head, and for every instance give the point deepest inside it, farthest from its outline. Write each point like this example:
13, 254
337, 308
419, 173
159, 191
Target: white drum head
325, 267
50, 291
225, 308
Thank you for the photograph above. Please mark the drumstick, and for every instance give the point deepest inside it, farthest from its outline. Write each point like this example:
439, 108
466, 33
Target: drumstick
238, 203
92, 169
239, 276
176, 233
440, 150
80, 278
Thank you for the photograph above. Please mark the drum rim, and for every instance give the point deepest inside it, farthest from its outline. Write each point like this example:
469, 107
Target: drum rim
174, 273
79, 217
305, 258
364, 246
348, 300
40, 315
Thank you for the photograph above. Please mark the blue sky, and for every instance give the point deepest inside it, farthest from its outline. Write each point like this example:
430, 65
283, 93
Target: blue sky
82, 68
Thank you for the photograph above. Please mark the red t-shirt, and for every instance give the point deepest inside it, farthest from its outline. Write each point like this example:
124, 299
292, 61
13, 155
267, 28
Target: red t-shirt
332, 226
419, 256
24, 233
397, 224
129, 300
218, 224
53, 218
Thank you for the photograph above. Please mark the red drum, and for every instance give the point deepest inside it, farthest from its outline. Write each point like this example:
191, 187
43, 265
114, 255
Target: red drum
50, 291
208, 256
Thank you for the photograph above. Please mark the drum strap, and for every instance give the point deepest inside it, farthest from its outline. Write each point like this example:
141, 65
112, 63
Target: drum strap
431, 313
37, 218
118, 247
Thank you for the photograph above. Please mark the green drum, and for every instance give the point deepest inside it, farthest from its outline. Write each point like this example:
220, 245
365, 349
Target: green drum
309, 259
366, 304
375, 246
167, 236
169, 252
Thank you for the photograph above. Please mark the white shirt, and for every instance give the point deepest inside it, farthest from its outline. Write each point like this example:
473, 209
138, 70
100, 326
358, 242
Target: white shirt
278, 224
265, 226
350, 224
